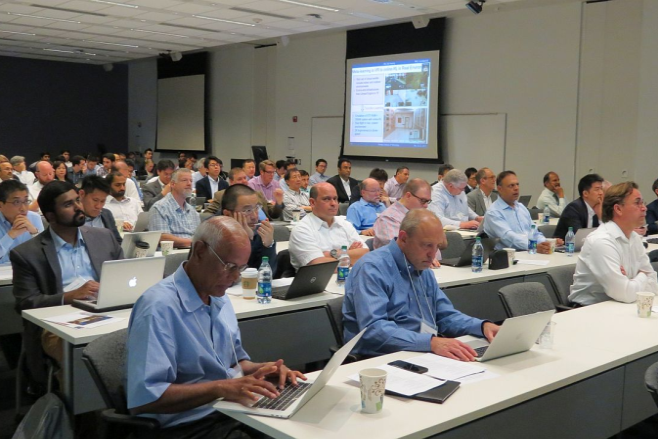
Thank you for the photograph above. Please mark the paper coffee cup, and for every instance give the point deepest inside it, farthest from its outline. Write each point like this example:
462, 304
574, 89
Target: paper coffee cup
249, 283
644, 304
296, 214
553, 243
167, 247
510, 255
141, 252
373, 386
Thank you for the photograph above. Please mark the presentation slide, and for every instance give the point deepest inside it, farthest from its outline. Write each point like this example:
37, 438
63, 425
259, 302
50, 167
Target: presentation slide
392, 106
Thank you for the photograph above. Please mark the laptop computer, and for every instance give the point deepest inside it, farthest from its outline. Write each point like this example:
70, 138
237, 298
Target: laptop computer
130, 239
466, 257
142, 223
525, 199
122, 282
293, 398
579, 240
516, 334
310, 279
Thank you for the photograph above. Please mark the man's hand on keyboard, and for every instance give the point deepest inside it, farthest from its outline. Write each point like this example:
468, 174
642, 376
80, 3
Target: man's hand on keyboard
244, 390
284, 373
452, 348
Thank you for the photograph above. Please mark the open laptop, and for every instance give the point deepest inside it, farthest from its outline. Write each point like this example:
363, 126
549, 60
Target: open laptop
516, 334
130, 239
293, 398
579, 240
310, 279
466, 257
122, 282
525, 199
142, 223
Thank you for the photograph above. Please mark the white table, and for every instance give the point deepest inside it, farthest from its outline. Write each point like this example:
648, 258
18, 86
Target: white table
588, 385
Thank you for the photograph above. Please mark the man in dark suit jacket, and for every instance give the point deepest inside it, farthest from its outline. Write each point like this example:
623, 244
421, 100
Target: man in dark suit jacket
158, 189
211, 183
486, 181
652, 212
577, 214
93, 193
343, 177
40, 276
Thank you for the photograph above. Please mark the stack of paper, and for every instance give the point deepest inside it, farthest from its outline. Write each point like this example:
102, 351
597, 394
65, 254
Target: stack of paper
81, 320
445, 368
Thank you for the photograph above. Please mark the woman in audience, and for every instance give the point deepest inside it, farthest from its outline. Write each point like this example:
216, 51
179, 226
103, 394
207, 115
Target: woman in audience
61, 171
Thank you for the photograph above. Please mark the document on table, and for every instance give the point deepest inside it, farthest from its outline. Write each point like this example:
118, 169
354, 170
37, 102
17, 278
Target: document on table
540, 262
445, 368
404, 382
81, 320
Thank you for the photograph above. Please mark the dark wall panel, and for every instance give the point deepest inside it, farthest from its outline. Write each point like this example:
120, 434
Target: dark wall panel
49, 106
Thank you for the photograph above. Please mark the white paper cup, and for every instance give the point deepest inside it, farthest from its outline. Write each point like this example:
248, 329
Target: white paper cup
373, 386
510, 255
167, 247
644, 304
547, 336
141, 252
540, 217
553, 243
296, 214
119, 224
249, 283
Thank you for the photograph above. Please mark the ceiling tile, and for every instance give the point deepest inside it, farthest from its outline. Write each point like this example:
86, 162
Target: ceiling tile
158, 4
191, 8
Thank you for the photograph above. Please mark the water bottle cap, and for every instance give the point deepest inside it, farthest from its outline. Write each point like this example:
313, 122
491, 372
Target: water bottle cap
344, 247
477, 238
266, 259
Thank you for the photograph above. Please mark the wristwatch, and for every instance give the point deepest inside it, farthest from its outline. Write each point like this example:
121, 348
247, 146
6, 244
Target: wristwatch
334, 253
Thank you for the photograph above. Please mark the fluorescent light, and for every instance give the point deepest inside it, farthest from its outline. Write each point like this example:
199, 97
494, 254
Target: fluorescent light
116, 4
159, 33
111, 44
308, 5
63, 51
43, 18
19, 33
223, 21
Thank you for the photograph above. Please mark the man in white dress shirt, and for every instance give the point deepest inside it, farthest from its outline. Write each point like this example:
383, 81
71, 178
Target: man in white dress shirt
20, 170
122, 168
613, 264
395, 185
124, 208
44, 173
320, 235
553, 195
449, 202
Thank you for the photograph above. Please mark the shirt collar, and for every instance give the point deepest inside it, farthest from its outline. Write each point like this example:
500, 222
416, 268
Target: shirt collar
318, 223
59, 242
187, 294
367, 203
399, 258
172, 201
614, 231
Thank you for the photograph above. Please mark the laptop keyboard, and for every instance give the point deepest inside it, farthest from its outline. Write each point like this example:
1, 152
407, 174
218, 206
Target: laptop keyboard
481, 350
287, 396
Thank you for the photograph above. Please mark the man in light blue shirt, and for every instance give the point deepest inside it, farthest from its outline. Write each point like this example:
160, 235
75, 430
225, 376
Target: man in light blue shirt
450, 204
364, 212
509, 220
17, 223
184, 344
319, 177
393, 293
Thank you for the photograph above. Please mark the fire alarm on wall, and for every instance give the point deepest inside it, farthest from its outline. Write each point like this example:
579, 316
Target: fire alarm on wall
294, 119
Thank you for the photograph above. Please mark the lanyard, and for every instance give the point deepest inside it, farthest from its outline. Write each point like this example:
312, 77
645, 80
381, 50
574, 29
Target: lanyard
422, 315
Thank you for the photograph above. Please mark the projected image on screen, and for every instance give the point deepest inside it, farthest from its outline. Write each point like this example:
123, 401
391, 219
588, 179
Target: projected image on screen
393, 106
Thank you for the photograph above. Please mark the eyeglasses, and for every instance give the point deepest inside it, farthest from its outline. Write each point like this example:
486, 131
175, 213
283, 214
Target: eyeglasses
230, 266
638, 203
267, 172
424, 201
18, 203
248, 210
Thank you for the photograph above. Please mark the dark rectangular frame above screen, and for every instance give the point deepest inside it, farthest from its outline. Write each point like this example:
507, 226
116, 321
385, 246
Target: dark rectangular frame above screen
391, 40
189, 65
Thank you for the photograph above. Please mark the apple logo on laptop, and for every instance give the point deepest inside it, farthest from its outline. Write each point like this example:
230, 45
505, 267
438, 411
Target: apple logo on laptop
132, 282
313, 279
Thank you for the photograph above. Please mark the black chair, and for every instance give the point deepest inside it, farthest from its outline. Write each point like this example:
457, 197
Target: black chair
651, 381
548, 230
173, 261
281, 233
284, 267
653, 256
525, 298
534, 213
456, 246
562, 279
342, 208
335, 310
105, 358
371, 244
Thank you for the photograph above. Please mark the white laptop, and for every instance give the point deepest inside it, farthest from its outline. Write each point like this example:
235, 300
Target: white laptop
122, 282
579, 240
142, 223
287, 405
130, 239
516, 334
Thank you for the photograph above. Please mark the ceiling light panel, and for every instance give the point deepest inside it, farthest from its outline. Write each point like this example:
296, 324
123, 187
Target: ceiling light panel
267, 5
191, 8
157, 17
79, 5
158, 4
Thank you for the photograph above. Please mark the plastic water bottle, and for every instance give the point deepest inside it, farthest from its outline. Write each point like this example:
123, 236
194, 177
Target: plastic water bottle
532, 240
344, 263
547, 215
264, 292
478, 251
570, 242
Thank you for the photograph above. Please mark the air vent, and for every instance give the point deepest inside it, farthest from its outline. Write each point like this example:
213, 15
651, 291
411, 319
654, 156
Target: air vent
68, 10
266, 14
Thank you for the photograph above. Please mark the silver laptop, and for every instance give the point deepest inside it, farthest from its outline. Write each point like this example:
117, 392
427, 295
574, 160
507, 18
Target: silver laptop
516, 334
288, 406
130, 239
525, 199
122, 282
579, 240
142, 223
310, 279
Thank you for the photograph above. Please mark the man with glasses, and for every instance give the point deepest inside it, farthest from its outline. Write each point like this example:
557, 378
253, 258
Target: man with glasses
480, 199
449, 202
363, 213
17, 223
265, 182
184, 344
613, 264
584, 212
294, 198
211, 183
241, 203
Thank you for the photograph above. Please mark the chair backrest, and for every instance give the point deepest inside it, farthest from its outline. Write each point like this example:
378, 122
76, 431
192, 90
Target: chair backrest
281, 233
655, 265
371, 244
534, 213
335, 308
105, 358
455, 247
651, 381
342, 208
44, 221
548, 230
653, 256
525, 298
284, 267
562, 279
173, 261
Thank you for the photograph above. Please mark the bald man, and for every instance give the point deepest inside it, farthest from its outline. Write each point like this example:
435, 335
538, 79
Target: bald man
364, 212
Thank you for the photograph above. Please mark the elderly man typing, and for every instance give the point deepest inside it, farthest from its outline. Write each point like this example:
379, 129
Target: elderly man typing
450, 204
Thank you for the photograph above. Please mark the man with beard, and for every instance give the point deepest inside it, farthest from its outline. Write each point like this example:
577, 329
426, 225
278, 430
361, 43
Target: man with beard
174, 216
45, 266
124, 209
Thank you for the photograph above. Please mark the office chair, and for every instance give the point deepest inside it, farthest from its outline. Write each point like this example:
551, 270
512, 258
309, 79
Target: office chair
651, 381
105, 358
173, 261
281, 233
455, 247
525, 298
335, 310
548, 230
284, 267
342, 208
371, 244
562, 279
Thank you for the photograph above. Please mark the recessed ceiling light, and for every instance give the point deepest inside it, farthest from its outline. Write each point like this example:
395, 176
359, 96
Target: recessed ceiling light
159, 33
110, 44
19, 33
115, 4
223, 21
308, 5
43, 18
56, 50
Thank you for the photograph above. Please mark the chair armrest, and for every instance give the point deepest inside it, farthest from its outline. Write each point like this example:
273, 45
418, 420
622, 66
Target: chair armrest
111, 416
